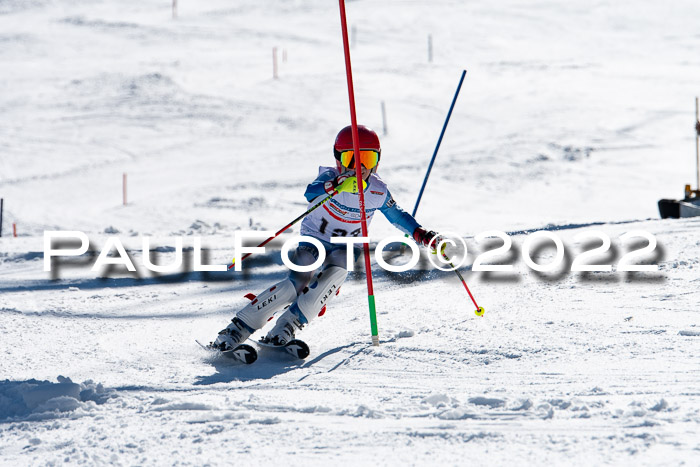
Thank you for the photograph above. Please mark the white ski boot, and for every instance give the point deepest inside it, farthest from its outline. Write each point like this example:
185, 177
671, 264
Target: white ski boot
231, 336
284, 329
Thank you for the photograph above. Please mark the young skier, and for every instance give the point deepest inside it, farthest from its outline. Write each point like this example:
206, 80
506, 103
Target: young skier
339, 217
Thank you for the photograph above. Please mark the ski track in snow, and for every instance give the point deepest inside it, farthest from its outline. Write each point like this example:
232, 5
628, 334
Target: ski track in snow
573, 117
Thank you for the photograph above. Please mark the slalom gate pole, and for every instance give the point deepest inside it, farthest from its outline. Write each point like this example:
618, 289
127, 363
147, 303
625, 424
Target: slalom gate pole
697, 148
358, 174
479, 310
437, 147
2, 202
268, 240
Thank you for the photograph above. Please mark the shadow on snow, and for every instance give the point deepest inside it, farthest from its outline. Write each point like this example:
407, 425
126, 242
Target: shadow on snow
270, 363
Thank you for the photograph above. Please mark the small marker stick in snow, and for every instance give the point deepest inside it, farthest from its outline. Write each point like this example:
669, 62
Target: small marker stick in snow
274, 63
384, 118
697, 147
430, 48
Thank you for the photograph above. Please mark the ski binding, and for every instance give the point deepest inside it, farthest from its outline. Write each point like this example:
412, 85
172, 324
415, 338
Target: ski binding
242, 353
295, 347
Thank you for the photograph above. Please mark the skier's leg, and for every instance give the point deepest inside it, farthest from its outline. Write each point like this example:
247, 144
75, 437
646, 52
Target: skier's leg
256, 313
312, 299
259, 311
305, 254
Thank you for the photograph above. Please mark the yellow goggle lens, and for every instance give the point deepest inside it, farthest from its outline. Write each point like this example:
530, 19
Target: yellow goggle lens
368, 158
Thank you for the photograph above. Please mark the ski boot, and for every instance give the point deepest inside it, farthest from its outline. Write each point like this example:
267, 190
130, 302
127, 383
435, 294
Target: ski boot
231, 336
285, 327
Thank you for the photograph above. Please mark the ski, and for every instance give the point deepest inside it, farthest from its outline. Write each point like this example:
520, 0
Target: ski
242, 353
295, 347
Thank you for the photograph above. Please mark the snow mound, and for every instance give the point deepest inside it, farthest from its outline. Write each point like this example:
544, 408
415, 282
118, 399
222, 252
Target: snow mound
404, 334
459, 413
437, 400
42, 400
488, 401
183, 406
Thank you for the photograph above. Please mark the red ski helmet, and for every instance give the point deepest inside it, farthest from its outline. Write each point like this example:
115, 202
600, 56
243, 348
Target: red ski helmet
368, 141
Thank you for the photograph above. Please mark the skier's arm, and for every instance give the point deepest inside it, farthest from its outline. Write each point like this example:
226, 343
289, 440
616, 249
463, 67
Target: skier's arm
430, 239
398, 217
327, 183
317, 187
406, 223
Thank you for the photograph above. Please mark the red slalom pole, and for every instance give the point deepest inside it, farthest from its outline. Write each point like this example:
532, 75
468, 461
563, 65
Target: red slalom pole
358, 174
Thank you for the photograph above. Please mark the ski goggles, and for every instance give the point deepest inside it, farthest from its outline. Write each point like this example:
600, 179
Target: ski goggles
368, 158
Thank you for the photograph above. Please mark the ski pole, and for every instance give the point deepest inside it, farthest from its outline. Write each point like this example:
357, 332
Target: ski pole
268, 240
479, 309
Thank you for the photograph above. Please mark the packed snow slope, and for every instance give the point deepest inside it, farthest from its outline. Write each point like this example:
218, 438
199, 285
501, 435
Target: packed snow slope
574, 117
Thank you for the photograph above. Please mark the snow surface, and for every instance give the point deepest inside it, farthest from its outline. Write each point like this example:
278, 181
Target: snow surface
574, 116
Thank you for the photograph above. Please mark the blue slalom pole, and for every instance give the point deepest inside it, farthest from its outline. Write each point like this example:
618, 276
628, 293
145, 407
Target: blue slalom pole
444, 127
